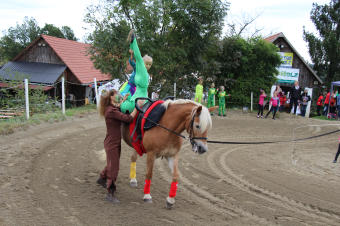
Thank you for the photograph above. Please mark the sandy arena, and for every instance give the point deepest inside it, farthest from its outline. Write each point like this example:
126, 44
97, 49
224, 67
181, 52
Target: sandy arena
48, 177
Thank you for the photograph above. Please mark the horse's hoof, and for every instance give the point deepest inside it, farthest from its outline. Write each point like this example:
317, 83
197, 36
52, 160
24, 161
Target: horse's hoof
147, 198
169, 205
133, 183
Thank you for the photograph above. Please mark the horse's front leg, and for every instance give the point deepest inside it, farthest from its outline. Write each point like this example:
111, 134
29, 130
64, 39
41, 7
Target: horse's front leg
173, 164
133, 180
149, 167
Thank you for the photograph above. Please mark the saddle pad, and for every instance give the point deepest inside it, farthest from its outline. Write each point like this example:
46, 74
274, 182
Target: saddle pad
155, 113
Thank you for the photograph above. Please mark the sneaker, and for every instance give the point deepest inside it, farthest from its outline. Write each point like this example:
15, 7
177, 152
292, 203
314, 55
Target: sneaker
219, 114
258, 116
261, 116
334, 161
224, 115
273, 118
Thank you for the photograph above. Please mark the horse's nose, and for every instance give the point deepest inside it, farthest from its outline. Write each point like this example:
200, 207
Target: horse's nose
202, 148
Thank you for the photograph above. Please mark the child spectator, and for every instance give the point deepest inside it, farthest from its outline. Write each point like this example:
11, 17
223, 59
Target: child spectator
261, 100
221, 102
274, 101
305, 98
337, 154
199, 91
319, 104
283, 100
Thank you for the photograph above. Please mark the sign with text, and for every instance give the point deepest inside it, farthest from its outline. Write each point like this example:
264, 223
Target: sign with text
286, 59
288, 75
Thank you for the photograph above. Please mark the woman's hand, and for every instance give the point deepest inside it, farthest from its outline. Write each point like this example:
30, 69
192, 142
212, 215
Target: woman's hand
134, 113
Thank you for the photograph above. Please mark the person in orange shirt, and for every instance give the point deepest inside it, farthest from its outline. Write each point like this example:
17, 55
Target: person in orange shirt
319, 104
325, 109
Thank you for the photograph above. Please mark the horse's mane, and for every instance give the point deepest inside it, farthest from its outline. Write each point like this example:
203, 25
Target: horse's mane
205, 118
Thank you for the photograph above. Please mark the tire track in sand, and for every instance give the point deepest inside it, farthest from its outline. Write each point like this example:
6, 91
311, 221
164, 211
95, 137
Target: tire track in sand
278, 199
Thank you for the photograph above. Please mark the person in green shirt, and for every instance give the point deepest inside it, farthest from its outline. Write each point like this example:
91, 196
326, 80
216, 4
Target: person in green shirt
221, 102
211, 96
199, 91
143, 64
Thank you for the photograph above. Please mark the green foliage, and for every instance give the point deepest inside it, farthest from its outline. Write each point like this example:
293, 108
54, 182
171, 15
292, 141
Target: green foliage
324, 48
15, 39
179, 35
247, 66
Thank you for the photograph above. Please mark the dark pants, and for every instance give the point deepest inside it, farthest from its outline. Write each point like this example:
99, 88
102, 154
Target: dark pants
260, 110
332, 110
338, 111
110, 172
303, 110
282, 107
337, 154
293, 102
272, 109
318, 109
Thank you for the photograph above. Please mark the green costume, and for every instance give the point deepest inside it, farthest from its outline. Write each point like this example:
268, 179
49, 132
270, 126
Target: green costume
221, 103
199, 93
141, 80
211, 97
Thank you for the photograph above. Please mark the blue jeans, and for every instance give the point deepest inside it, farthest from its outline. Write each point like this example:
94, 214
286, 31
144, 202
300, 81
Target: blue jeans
303, 110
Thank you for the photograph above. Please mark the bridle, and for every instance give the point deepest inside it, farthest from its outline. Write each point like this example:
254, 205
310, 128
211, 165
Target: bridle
190, 129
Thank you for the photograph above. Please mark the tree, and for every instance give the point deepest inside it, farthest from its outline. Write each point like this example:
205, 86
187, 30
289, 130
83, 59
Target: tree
179, 35
247, 66
324, 48
15, 39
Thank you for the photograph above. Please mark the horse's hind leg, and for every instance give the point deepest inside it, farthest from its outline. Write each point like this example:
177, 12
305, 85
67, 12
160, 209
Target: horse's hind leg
133, 180
173, 164
149, 162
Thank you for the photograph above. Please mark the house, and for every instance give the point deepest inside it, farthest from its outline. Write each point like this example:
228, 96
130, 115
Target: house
293, 68
47, 59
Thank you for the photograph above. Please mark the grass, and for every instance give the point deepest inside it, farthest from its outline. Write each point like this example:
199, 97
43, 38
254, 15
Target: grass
10, 125
323, 118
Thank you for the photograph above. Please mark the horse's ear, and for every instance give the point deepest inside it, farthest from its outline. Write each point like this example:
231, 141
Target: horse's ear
212, 108
199, 110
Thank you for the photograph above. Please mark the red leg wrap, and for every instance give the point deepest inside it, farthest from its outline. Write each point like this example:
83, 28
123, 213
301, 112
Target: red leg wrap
147, 186
173, 189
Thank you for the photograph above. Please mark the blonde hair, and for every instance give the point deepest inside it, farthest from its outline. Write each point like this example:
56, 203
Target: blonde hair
105, 101
147, 58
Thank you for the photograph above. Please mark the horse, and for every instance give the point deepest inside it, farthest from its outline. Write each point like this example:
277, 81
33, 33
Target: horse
165, 141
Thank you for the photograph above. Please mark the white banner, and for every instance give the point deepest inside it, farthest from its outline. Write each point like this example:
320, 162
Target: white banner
288, 75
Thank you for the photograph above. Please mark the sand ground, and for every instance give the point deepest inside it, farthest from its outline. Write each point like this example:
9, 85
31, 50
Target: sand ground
48, 174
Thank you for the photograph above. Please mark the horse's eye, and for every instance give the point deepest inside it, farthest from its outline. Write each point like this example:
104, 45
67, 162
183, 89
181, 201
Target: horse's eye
197, 126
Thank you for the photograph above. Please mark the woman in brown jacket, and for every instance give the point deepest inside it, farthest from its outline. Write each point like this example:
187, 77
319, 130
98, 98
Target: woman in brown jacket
110, 110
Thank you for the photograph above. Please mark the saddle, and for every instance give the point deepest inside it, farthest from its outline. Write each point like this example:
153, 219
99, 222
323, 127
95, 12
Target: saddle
147, 117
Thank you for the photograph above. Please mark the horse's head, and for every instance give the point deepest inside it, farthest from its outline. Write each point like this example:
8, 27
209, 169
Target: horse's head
199, 125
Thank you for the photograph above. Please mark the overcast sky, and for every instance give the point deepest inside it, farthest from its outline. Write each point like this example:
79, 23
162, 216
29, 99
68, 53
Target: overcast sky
288, 16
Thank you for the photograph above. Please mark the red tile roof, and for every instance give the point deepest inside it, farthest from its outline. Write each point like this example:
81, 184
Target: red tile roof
272, 38
74, 55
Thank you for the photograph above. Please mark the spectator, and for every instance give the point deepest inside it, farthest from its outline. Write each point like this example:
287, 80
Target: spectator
319, 104
332, 103
305, 98
338, 105
295, 96
261, 100
274, 101
325, 109
283, 100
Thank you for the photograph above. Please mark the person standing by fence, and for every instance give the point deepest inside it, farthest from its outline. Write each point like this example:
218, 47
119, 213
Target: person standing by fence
261, 100
199, 91
110, 109
221, 101
325, 109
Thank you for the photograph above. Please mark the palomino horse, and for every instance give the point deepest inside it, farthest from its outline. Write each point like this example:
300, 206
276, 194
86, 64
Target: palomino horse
180, 115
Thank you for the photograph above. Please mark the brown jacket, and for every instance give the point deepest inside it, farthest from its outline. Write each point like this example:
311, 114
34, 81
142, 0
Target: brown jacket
113, 119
